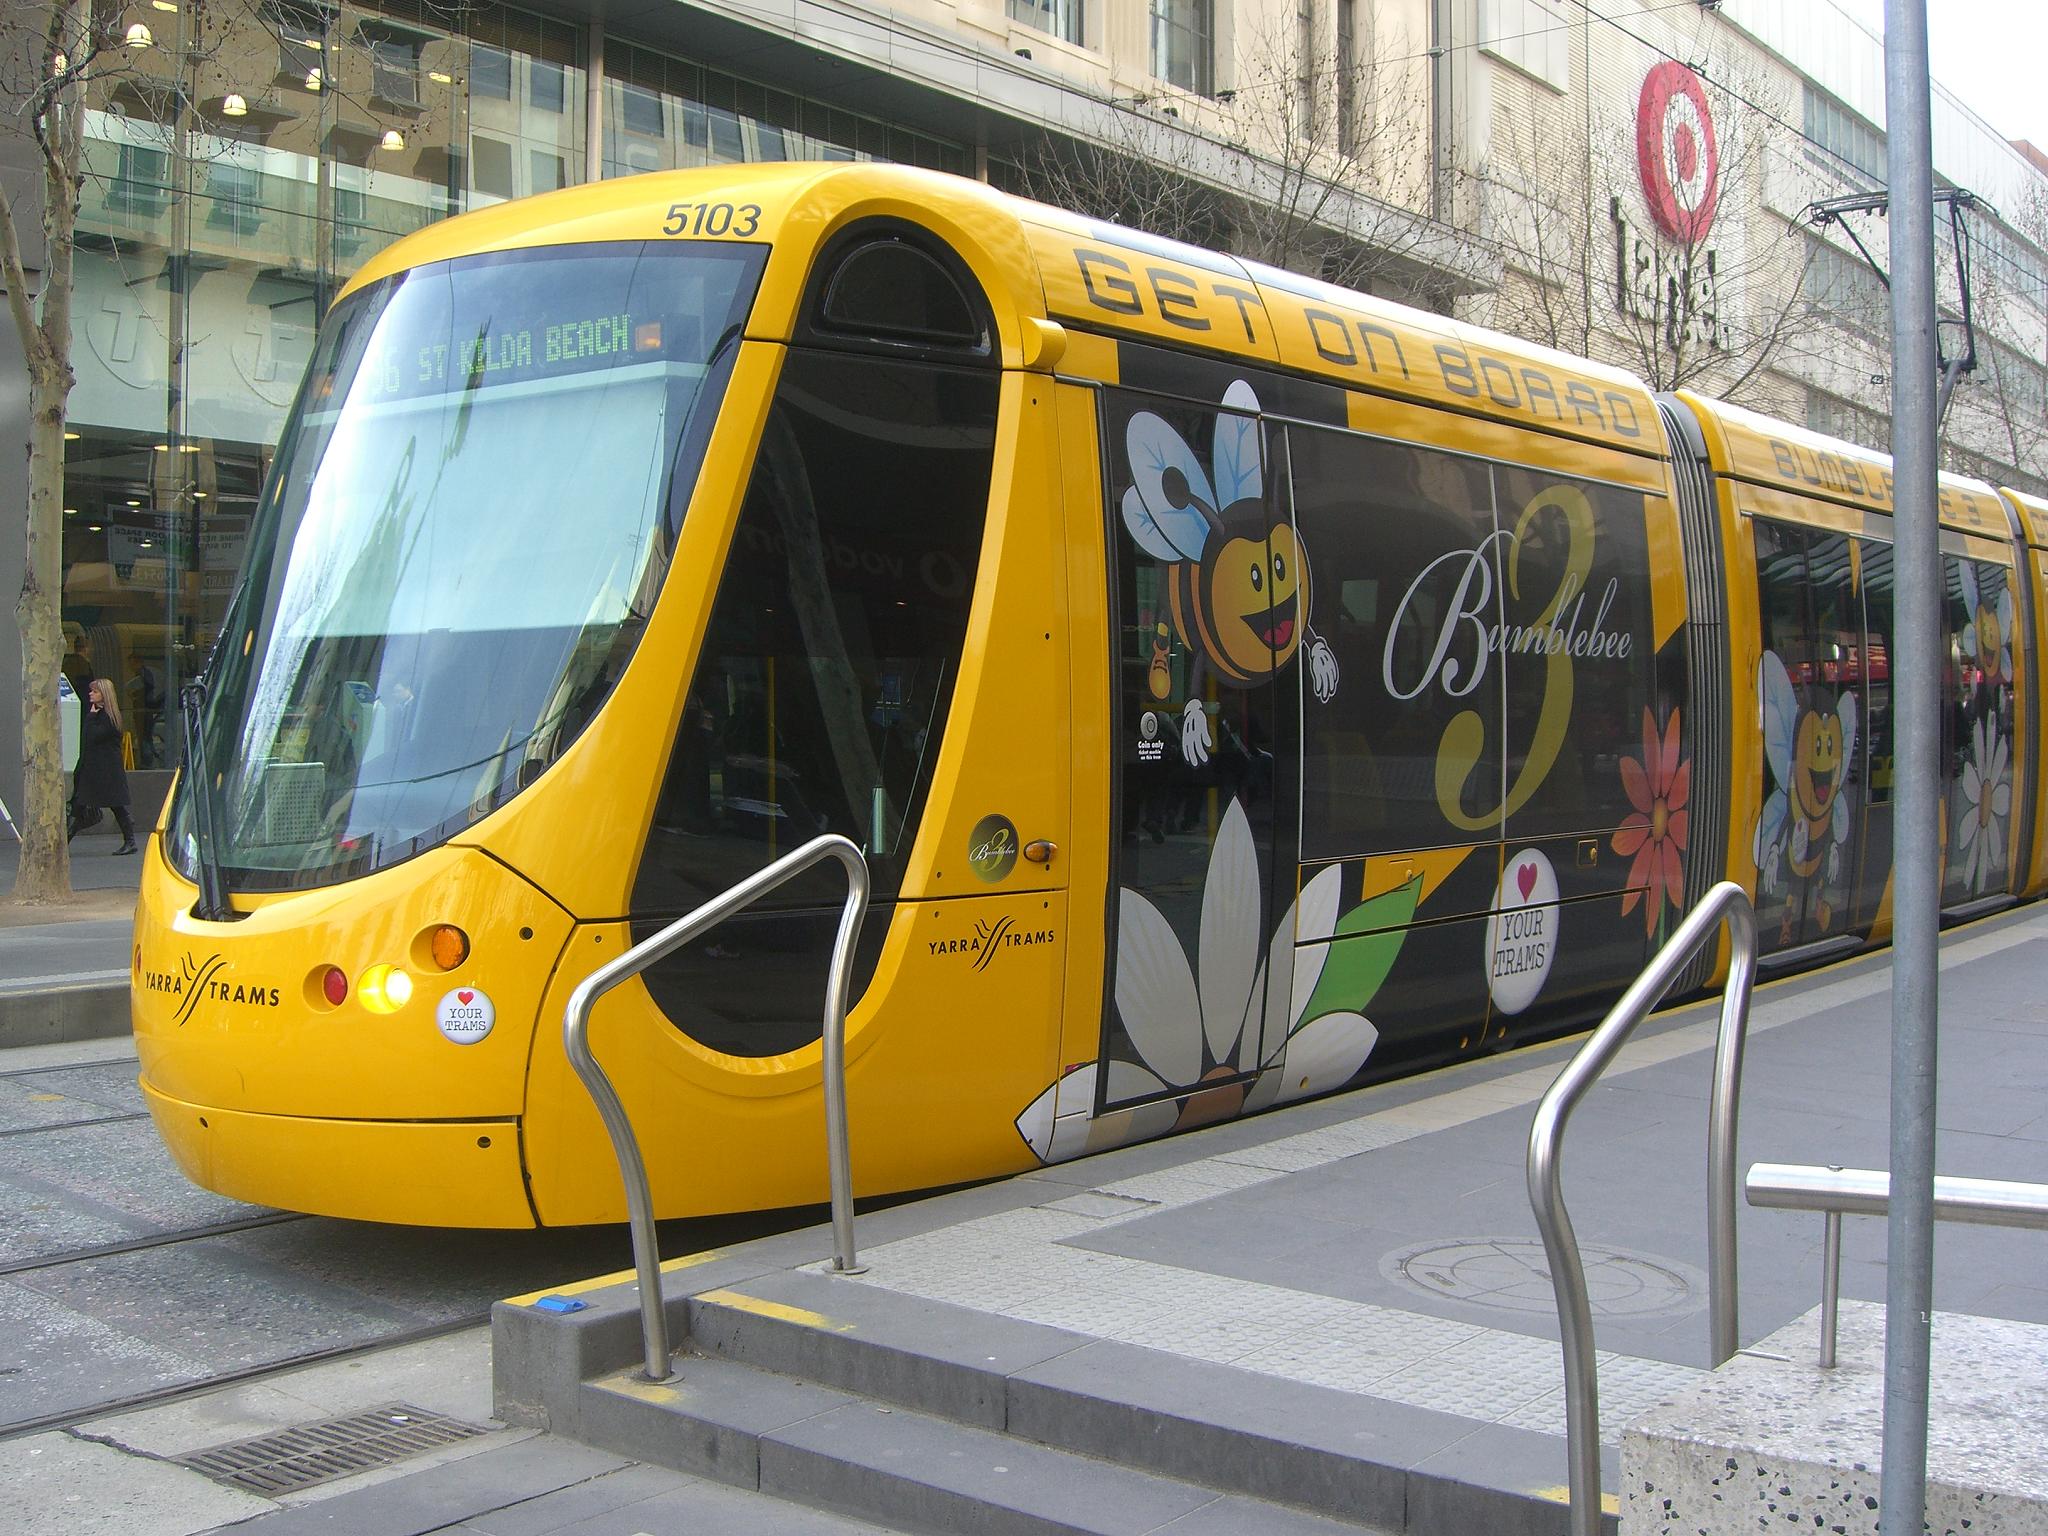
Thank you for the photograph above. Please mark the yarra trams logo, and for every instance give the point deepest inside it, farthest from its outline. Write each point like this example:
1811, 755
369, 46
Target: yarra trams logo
199, 980
988, 939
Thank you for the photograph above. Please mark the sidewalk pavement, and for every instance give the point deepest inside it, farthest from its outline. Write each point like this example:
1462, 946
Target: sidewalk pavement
64, 968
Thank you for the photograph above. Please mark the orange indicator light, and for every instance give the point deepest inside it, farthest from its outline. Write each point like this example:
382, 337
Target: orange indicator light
647, 336
450, 946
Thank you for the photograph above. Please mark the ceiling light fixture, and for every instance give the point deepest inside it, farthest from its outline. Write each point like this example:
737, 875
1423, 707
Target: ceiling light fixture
139, 36
234, 105
393, 139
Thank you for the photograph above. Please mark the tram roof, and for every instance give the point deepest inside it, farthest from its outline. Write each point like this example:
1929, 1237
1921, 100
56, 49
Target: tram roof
1761, 450
1040, 263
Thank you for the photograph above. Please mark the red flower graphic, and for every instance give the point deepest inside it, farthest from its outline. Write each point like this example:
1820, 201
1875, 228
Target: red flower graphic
1655, 830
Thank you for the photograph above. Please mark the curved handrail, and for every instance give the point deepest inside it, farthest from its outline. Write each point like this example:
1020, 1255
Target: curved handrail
1567, 1274
575, 1027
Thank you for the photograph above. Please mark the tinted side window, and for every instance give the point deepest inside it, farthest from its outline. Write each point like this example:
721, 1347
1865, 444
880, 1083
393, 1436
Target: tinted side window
821, 694
1401, 539
1979, 622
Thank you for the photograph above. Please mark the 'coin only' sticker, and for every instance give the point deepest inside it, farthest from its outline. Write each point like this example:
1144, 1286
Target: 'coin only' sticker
466, 1015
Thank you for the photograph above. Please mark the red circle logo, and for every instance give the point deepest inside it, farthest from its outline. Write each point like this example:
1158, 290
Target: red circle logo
1675, 151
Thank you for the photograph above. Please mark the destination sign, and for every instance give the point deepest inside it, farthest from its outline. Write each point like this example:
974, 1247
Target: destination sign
491, 356
537, 316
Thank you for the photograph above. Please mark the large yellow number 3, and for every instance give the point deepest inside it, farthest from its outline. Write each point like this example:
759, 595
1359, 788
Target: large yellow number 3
1464, 739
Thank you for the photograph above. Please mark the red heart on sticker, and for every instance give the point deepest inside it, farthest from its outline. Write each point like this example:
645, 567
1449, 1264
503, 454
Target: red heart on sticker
466, 996
1525, 877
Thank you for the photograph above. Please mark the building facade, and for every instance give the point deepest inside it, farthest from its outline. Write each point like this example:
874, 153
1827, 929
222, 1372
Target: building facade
1497, 159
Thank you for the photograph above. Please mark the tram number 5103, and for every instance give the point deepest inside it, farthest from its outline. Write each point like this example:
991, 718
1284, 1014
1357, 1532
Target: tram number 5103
712, 219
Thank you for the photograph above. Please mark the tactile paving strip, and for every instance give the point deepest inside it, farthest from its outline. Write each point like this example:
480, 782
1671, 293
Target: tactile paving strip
308, 1454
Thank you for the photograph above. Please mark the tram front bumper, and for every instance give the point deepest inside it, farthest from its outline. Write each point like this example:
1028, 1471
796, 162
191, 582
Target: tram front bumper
448, 1173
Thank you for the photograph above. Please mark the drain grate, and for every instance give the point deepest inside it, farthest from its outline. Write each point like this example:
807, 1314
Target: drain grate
308, 1454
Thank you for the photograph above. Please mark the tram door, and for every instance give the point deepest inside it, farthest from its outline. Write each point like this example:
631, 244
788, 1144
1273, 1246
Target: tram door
1206, 730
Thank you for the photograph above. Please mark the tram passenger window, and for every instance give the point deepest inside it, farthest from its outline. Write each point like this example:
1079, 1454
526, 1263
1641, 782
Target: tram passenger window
892, 288
1402, 537
1980, 655
821, 693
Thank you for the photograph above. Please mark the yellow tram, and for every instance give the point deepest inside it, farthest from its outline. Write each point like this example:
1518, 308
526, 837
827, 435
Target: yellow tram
1239, 687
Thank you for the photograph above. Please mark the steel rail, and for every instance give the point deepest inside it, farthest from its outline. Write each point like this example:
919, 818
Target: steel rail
1837, 1192
617, 1124
1727, 903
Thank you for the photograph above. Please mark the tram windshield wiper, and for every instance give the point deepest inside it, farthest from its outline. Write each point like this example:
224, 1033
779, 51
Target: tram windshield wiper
213, 905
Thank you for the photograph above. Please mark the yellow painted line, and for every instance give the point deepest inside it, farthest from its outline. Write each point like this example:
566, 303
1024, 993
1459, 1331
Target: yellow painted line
44, 1098
616, 1277
801, 1316
635, 1386
1610, 1503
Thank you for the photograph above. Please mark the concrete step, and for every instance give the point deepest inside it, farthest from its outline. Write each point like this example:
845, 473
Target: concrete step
896, 1467
1236, 1431
837, 1343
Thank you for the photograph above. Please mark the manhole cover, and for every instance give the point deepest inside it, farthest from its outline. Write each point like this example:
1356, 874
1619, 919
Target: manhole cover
1512, 1273
315, 1453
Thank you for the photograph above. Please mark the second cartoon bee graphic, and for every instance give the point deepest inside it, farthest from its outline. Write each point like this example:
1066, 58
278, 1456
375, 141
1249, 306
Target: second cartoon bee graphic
1237, 575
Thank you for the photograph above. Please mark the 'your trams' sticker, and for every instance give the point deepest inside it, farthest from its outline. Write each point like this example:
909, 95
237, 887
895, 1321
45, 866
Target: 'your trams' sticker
466, 1015
1521, 936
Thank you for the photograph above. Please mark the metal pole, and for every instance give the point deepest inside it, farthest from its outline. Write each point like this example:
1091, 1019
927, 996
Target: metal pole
1545, 1172
612, 1110
1723, 1292
1916, 803
1830, 1285
593, 104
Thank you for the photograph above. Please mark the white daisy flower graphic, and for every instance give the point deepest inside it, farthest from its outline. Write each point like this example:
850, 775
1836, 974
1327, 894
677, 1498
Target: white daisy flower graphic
1243, 1029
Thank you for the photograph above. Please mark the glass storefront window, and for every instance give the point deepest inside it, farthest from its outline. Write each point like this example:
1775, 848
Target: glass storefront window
664, 113
237, 173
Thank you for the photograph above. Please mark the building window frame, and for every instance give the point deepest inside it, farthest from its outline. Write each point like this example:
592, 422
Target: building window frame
1184, 44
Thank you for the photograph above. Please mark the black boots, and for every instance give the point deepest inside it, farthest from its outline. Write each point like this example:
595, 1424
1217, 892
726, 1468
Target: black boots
127, 825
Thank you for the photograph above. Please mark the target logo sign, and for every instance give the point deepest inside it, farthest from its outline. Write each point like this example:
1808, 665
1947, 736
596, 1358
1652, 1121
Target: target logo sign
1675, 151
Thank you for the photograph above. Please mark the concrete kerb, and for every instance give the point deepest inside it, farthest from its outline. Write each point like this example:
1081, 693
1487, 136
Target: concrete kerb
63, 1012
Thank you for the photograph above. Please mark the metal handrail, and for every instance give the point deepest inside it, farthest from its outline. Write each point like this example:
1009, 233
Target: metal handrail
1839, 1192
575, 1026
1726, 901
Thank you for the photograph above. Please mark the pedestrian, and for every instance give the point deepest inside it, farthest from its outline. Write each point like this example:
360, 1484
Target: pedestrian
101, 782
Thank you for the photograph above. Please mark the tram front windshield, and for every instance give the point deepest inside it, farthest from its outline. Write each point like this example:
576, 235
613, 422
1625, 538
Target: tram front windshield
464, 532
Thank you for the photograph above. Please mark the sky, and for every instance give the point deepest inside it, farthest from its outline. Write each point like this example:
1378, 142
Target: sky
1989, 53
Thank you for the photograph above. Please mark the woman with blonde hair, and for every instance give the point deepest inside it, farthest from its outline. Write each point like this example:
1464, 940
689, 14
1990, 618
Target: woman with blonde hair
101, 782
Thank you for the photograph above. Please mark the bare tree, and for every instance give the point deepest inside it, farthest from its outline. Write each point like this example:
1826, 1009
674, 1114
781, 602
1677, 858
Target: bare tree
1713, 306
61, 47
1309, 162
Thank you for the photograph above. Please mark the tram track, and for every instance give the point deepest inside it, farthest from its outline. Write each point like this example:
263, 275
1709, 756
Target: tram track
144, 1242
67, 1066
72, 1417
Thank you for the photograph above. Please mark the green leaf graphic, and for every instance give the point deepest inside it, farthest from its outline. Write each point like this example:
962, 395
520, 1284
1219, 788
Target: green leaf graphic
1356, 966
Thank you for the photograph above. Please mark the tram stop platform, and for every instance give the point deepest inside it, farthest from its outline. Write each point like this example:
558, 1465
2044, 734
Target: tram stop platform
1338, 1316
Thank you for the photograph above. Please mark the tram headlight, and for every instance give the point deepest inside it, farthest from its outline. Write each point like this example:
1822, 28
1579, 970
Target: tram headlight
384, 989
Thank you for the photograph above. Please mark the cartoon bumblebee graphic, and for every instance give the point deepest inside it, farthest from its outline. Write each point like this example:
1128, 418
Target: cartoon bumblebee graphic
1237, 577
1806, 819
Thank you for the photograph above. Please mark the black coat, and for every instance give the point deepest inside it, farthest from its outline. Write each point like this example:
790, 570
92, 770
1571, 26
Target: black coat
100, 780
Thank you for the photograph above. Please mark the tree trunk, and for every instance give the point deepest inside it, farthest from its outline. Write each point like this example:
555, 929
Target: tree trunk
44, 875
45, 872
